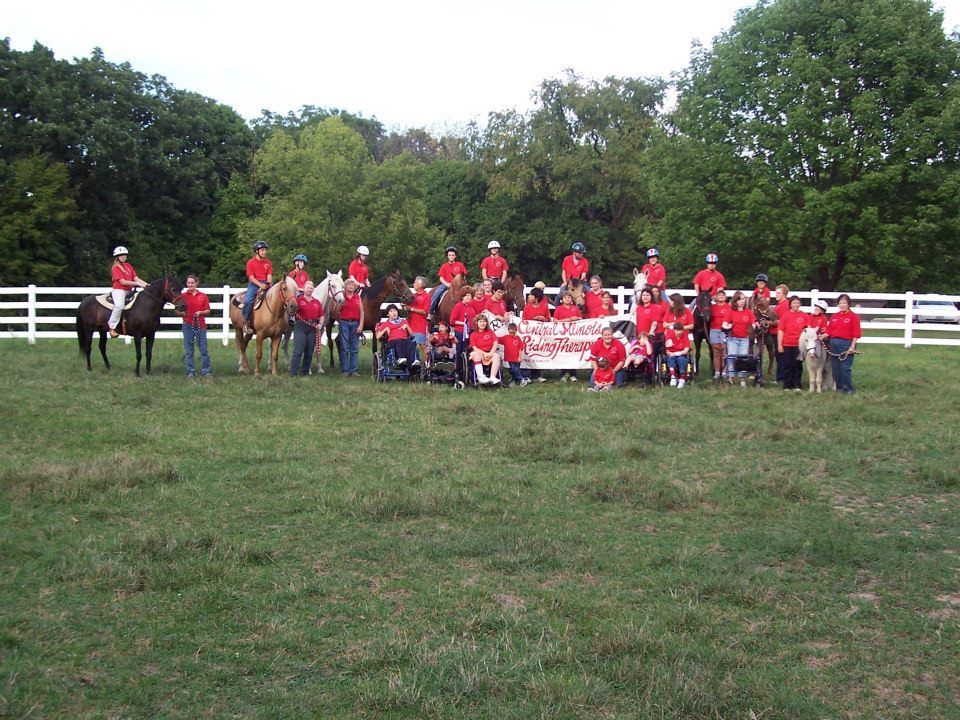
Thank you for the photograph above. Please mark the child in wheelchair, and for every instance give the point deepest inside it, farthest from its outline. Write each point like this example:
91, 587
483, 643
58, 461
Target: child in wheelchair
443, 348
399, 339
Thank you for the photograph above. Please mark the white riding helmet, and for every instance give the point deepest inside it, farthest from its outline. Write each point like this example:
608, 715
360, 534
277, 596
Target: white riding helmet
120, 250
822, 304
363, 250
493, 244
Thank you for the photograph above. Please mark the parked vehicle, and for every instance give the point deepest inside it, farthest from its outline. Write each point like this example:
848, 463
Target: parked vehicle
937, 310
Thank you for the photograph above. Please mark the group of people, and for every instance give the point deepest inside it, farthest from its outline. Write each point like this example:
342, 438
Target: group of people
663, 325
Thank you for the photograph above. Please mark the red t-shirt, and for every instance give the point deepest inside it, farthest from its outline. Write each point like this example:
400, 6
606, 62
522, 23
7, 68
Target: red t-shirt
300, 277
669, 317
614, 354
819, 322
460, 315
676, 341
441, 339
566, 311
359, 270
606, 312
398, 330
782, 307
260, 269
765, 292
350, 310
844, 325
449, 270
541, 311
497, 307
122, 271
483, 340
513, 345
591, 304
605, 377
656, 274
479, 304
791, 325
742, 320
309, 309
573, 268
719, 314
710, 281
647, 315
195, 302
418, 322
495, 267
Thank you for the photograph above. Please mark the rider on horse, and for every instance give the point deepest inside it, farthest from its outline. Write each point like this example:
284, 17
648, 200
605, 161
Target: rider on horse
259, 277
124, 278
299, 272
493, 266
709, 279
359, 270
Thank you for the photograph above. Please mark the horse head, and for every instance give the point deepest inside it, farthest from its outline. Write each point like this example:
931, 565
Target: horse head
172, 292
809, 345
576, 289
288, 293
639, 283
335, 287
515, 296
400, 287
704, 307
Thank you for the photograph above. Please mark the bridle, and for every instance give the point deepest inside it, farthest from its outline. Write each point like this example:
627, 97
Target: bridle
291, 304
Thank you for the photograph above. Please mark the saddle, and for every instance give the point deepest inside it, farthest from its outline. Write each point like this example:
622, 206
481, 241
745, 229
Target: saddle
240, 298
107, 300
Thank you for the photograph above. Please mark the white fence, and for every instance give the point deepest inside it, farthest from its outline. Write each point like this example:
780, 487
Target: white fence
48, 312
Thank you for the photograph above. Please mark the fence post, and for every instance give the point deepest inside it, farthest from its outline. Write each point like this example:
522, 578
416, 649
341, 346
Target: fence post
32, 314
226, 315
908, 320
620, 300
814, 296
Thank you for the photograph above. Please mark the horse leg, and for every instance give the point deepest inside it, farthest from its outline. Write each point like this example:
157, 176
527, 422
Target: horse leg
256, 367
242, 366
333, 365
150, 339
136, 342
275, 354
103, 349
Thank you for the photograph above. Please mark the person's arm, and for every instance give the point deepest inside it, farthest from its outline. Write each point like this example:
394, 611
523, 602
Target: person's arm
780, 341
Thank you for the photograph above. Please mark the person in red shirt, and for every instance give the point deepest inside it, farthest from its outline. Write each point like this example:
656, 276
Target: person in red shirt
843, 332
299, 272
399, 338
677, 311
350, 324
484, 343
650, 319
607, 307
780, 295
658, 297
259, 277
676, 341
761, 289
566, 311
818, 319
462, 316
496, 305
417, 312
536, 307
513, 349
639, 352
447, 272
603, 378
493, 266
654, 270
443, 345
788, 341
482, 292
574, 266
710, 279
359, 270
307, 324
124, 278
196, 307
607, 347
738, 327
593, 298
718, 337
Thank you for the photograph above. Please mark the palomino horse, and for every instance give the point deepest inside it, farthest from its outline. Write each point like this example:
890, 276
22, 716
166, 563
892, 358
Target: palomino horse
329, 292
141, 321
515, 296
815, 356
270, 320
575, 288
766, 318
702, 312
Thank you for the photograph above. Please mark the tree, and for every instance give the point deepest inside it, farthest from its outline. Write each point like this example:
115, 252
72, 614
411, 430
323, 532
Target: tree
815, 138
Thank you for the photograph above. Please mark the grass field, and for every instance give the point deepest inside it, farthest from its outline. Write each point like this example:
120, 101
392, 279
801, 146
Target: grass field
322, 547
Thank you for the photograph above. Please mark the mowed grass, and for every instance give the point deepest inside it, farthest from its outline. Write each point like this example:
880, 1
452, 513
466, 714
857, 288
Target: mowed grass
321, 547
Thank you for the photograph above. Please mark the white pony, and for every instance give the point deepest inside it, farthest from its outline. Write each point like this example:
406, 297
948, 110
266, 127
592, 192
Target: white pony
818, 362
639, 283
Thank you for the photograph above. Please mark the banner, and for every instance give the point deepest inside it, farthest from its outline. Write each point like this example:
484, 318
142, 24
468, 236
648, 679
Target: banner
564, 345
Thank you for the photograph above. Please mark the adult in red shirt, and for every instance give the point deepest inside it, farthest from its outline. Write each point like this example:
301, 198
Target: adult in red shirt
299, 272
677, 311
350, 324
710, 279
395, 331
447, 272
124, 278
738, 326
649, 314
493, 266
481, 293
196, 307
608, 347
462, 316
593, 298
484, 353
843, 332
658, 297
496, 305
306, 326
575, 266
654, 270
780, 295
761, 289
606, 305
788, 343
359, 270
259, 277
417, 312
536, 307
717, 336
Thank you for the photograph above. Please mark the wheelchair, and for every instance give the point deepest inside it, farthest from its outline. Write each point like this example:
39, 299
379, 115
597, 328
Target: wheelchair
470, 374
386, 368
443, 370
750, 364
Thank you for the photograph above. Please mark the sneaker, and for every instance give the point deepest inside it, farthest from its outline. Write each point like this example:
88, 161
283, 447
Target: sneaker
191, 377
416, 364
482, 379
681, 383
729, 381
494, 381
593, 389
573, 378
524, 382
743, 383
673, 382
565, 377
401, 362
541, 379
114, 334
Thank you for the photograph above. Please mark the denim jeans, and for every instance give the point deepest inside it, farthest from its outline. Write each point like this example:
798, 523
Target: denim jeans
304, 344
435, 302
842, 369
515, 372
736, 346
677, 363
248, 302
196, 336
617, 378
349, 343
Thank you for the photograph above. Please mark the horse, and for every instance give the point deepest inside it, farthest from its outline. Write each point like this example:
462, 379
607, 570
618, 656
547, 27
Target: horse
516, 288
328, 291
391, 285
639, 283
575, 288
269, 320
141, 321
450, 298
702, 312
815, 355
765, 318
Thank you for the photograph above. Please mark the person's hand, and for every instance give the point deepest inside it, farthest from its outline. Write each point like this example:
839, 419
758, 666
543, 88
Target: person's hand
196, 315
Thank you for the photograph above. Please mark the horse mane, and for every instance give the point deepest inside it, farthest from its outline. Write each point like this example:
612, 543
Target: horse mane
376, 287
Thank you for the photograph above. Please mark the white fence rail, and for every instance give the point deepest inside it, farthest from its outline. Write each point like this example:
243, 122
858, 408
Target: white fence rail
36, 313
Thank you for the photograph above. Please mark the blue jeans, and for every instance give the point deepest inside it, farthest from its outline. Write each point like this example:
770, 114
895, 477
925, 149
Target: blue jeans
304, 344
438, 293
515, 372
842, 369
198, 336
617, 378
349, 343
248, 302
677, 363
736, 346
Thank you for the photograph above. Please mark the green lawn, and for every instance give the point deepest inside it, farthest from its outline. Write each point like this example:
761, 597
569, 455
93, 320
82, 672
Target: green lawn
321, 547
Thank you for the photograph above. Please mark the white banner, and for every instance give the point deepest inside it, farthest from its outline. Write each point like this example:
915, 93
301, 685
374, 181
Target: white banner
563, 345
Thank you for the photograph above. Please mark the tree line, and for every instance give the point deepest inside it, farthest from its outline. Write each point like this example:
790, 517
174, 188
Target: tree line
815, 140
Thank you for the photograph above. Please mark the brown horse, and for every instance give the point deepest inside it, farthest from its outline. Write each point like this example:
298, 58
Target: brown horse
702, 314
516, 296
140, 321
450, 298
766, 317
270, 320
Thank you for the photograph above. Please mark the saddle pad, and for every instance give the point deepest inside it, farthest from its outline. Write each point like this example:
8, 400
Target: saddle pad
107, 301
240, 298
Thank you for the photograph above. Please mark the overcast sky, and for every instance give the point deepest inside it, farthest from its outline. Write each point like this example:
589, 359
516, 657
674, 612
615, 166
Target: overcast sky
432, 63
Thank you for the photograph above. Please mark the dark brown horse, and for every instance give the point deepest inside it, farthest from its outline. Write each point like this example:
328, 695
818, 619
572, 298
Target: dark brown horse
766, 319
515, 297
380, 290
140, 321
450, 298
702, 312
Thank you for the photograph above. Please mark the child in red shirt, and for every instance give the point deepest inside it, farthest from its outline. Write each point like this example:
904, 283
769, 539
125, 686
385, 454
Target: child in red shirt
567, 312
677, 343
398, 336
513, 348
462, 315
484, 342
603, 376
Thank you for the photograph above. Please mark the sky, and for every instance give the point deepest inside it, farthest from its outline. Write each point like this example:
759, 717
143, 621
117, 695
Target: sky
437, 64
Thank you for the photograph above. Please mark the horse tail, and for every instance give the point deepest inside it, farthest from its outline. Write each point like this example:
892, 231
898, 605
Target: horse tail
82, 334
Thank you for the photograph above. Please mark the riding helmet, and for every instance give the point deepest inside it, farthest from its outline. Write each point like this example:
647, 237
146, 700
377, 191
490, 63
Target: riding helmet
493, 244
301, 257
363, 250
653, 252
713, 258
120, 250
762, 277
260, 244
578, 247
822, 304
451, 248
